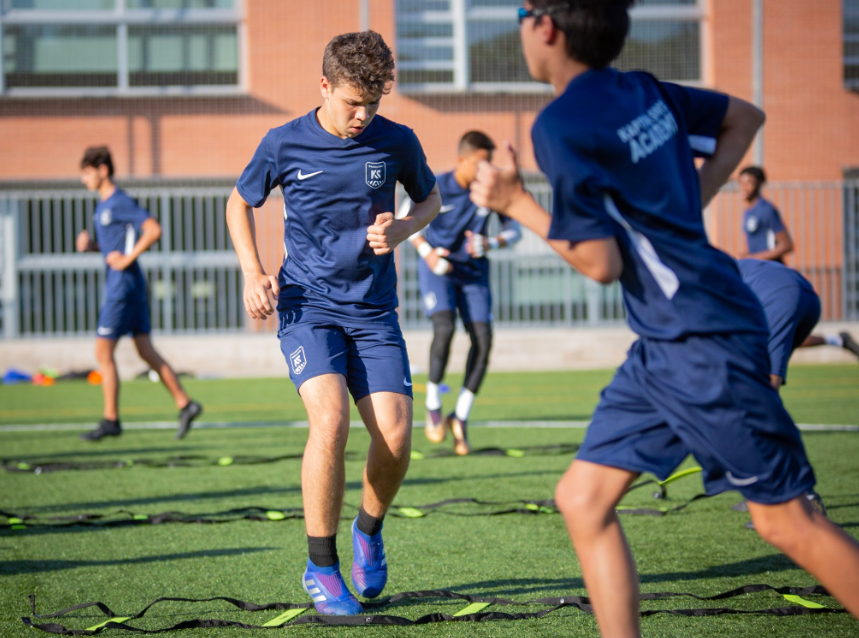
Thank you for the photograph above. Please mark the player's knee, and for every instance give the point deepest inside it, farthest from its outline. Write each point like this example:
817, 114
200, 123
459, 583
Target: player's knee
481, 339
443, 326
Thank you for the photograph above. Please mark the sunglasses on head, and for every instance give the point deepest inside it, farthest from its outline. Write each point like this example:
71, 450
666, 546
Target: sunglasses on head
542, 11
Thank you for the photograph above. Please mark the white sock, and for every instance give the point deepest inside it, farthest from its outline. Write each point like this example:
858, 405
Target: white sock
464, 403
433, 396
834, 340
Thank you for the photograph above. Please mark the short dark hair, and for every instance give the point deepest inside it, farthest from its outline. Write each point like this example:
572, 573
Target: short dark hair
757, 172
362, 60
475, 141
96, 156
594, 30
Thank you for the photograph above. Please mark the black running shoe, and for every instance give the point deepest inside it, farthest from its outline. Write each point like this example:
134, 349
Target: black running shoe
105, 428
848, 343
186, 416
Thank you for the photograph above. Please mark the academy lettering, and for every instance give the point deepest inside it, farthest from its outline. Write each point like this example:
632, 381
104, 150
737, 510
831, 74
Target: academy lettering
649, 131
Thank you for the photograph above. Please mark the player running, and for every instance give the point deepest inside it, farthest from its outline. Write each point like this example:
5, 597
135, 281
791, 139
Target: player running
336, 296
618, 150
453, 274
792, 309
124, 231
766, 235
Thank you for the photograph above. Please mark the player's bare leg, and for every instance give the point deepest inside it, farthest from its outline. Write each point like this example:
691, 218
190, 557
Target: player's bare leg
323, 472
188, 409
587, 496
104, 349
150, 355
814, 543
388, 417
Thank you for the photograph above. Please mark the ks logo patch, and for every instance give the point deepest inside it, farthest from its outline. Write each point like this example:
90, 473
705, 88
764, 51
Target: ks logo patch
375, 174
298, 360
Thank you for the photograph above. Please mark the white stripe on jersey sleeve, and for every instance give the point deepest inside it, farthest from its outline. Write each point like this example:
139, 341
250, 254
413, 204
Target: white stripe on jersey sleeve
703, 144
130, 239
665, 278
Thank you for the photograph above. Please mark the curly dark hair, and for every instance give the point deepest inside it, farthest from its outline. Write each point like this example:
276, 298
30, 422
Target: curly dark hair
595, 30
96, 156
362, 60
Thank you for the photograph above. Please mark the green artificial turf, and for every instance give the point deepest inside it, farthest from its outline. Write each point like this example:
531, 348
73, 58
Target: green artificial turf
703, 549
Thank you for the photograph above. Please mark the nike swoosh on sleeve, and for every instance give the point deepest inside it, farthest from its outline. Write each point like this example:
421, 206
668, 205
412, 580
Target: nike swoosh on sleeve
446, 209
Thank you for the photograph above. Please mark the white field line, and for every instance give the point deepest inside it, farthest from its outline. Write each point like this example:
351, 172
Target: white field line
171, 425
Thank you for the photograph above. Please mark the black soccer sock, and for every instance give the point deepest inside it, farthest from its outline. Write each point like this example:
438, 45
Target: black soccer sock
370, 525
323, 550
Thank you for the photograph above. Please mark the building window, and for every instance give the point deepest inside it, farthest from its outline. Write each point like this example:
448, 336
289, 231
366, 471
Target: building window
851, 44
118, 47
473, 45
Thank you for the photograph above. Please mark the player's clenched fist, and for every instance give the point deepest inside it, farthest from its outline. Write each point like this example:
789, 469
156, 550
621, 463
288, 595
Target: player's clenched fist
497, 186
257, 297
83, 243
386, 234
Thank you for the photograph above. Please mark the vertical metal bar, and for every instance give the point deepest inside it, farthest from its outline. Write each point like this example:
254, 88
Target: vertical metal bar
26, 303
832, 269
2, 55
68, 243
364, 14
166, 270
758, 73
9, 217
122, 55
461, 74
850, 267
80, 300
38, 303
220, 224
92, 299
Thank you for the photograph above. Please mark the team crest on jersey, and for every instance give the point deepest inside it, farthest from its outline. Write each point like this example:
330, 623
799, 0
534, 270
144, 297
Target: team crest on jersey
298, 360
105, 217
430, 301
751, 224
375, 174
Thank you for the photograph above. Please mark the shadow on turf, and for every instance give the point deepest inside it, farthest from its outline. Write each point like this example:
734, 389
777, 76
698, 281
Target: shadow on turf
256, 491
112, 452
530, 586
37, 566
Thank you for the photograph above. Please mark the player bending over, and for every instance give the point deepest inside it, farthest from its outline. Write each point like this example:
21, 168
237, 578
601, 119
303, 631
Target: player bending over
336, 296
454, 275
791, 308
618, 151
123, 231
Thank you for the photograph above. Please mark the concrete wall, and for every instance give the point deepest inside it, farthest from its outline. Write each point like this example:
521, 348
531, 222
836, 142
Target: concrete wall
259, 355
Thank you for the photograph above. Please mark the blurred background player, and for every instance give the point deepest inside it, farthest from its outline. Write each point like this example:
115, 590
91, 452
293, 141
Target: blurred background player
766, 235
792, 309
454, 276
619, 150
124, 231
338, 167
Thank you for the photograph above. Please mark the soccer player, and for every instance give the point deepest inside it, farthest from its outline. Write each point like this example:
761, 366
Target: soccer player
336, 296
792, 309
618, 151
766, 235
453, 274
124, 231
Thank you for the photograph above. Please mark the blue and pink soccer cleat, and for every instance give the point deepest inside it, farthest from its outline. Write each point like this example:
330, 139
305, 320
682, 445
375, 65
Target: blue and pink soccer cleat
369, 567
330, 595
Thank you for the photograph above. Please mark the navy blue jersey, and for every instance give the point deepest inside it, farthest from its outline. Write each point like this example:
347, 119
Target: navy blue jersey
769, 279
457, 215
117, 222
333, 188
761, 223
618, 150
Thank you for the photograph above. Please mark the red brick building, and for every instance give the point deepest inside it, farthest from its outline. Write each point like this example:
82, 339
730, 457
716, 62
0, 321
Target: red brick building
459, 68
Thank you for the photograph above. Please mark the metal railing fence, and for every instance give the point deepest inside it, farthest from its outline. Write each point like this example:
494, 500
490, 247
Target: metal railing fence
46, 289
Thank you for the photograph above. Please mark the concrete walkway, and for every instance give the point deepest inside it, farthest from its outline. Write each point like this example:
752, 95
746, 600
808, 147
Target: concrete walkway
259, 355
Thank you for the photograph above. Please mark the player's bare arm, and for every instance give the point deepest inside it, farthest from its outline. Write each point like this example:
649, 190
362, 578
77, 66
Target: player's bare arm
783, 246
259, 287
387, 232
500, 188
150, 232
741, 124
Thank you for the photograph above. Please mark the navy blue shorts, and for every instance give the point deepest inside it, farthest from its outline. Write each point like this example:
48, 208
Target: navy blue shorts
371, 355
472, 298
708, 396
791, 320
122, 316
